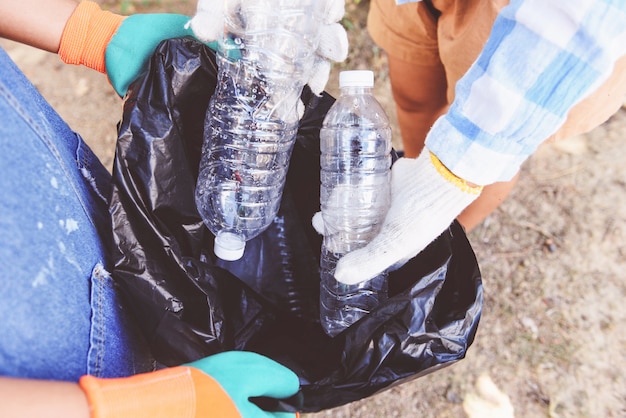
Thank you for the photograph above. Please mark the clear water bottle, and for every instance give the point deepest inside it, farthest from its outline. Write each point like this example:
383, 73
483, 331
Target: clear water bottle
355, 142
264, 58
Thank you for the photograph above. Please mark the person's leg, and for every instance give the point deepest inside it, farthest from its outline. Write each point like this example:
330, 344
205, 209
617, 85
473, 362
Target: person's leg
489, 200
418, 78
418, 104
408, 35
60, 315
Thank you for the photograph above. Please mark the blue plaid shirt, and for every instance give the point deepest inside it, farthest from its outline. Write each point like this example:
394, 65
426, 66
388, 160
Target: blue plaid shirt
542, 58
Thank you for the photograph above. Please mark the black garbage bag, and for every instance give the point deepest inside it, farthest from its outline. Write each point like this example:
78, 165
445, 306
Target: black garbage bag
190, 304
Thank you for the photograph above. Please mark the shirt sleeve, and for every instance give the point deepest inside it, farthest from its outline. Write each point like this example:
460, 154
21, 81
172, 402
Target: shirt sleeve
541, 59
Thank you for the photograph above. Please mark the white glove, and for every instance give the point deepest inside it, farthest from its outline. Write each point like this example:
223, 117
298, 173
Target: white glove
333, 45
425, 199
208, 23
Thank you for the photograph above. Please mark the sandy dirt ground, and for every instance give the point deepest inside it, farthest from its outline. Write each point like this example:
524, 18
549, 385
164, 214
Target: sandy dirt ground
552, 338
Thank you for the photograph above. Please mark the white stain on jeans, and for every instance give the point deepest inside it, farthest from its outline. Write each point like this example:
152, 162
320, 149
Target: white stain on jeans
69, 257
70, 225
41, 278
92, 181
54, 182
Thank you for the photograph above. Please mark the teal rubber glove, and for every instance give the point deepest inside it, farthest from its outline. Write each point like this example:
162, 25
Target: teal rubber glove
244, 375
133, 43
220, 386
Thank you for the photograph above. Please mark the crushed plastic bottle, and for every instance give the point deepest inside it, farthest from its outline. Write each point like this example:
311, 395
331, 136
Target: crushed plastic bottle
355, 142
264, 57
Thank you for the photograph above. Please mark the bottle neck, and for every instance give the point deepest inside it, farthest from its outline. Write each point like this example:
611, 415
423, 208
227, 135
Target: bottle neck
349, 90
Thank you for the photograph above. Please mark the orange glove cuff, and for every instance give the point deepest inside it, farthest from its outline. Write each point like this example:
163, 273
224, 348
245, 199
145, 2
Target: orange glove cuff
182, 392
87, 34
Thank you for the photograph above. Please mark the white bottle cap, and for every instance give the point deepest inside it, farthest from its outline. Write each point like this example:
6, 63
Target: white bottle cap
229, 246
356, 78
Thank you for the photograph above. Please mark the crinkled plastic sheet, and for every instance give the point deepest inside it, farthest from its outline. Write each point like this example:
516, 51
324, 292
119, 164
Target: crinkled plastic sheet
190, 305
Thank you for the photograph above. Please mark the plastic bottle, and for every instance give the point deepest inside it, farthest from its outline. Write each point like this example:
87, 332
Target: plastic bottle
355, 195
264, 59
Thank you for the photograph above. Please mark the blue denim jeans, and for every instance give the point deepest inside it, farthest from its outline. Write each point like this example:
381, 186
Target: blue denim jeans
60, 316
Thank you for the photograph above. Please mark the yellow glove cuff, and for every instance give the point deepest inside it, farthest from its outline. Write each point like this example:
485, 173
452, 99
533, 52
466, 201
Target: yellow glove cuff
452, 178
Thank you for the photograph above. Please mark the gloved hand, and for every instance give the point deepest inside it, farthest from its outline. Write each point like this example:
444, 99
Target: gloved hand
217, 386
425, 198
116, 45
208, 23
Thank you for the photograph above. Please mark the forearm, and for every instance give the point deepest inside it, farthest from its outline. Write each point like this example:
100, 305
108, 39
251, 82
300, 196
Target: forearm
541, 59
26, 398
38, 23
